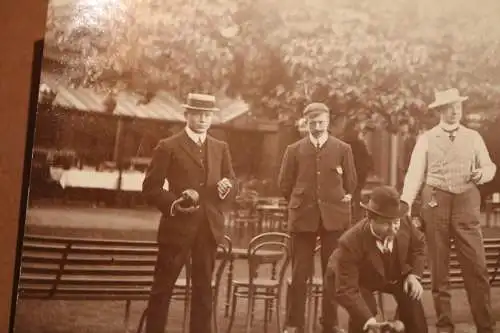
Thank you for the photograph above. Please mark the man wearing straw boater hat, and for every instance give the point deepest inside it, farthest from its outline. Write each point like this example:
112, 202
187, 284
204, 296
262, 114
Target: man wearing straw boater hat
384, 252
447, 164
317, 177
201, 181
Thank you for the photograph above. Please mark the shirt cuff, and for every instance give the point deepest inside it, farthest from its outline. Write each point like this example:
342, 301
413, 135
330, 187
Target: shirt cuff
223, 196
372, 320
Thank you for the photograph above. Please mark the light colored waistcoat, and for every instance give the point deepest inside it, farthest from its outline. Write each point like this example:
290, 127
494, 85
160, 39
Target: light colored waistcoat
450, 163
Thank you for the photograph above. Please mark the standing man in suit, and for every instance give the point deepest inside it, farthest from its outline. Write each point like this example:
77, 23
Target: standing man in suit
447, 164
201, 182
383, 252
317, 177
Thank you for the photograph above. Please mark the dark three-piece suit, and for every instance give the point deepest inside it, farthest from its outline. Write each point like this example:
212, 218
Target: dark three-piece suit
187, 165
357, 268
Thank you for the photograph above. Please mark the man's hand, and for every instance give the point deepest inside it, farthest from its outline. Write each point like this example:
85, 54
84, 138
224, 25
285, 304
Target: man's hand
371, 325
187, 203
412, 287
476, 176
223, 186
347, 198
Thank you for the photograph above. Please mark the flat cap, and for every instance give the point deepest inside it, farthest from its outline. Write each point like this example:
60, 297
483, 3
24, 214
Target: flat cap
315, 107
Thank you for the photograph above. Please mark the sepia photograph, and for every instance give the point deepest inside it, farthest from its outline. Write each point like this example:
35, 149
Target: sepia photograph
244, 166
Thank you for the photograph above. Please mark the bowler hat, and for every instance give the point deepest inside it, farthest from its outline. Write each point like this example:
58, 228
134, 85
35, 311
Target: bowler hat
446, 97
315, 107
200, 102
384, 201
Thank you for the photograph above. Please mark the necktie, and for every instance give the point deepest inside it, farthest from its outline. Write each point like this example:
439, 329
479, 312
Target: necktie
452, 133
200, 143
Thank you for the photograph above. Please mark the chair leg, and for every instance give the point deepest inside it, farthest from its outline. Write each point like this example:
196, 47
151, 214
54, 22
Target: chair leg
381, 305
250, 308
127, 315
187, 307
215, 328
233, 311
142, 320
278, 311
266, 314
316, 305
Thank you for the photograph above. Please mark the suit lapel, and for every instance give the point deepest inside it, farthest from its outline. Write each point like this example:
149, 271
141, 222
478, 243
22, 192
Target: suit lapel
402, 243
188, 145
211, 154
307, 147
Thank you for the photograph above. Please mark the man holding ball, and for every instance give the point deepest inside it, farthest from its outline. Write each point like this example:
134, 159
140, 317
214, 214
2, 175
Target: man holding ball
201, 182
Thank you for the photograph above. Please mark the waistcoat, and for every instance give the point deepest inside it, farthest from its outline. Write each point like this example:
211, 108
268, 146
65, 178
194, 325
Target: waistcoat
392, 267
450, 163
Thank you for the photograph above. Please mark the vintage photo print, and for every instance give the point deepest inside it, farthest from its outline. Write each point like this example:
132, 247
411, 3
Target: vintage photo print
264, 166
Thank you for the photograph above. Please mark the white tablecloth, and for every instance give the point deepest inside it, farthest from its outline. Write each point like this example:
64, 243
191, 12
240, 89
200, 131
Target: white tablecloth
88, 178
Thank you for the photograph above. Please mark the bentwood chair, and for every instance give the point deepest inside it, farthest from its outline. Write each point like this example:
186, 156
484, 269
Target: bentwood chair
268, 260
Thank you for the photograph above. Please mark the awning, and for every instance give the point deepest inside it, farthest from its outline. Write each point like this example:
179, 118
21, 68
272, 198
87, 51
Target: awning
163, 105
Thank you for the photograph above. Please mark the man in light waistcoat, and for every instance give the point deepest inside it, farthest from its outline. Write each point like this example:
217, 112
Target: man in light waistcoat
447, 164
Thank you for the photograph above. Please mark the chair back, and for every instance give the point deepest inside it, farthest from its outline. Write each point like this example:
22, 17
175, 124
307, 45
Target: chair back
268, 253
224, 254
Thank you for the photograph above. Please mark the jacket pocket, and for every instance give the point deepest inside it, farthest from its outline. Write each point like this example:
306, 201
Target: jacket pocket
296, 198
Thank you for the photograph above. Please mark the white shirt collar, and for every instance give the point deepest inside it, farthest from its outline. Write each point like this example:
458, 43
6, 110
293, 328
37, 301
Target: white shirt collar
195, 136
383, 245
321, 140
448, 127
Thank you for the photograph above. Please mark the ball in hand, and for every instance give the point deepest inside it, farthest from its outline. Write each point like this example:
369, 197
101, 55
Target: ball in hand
398, 326
190, 198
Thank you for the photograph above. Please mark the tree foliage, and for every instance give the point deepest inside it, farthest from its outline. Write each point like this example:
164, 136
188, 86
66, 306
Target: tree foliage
373, 60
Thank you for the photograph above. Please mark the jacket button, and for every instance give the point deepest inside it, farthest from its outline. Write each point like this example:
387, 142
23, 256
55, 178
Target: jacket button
202, 184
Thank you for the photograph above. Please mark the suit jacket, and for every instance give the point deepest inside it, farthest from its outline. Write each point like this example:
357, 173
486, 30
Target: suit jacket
357, 263
175, 160
314, 184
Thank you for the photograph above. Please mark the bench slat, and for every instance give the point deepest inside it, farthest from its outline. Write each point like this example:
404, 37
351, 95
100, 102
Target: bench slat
91, 261
94, 270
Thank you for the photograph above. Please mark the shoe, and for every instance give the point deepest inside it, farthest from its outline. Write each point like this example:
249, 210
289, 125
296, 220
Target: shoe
291, 330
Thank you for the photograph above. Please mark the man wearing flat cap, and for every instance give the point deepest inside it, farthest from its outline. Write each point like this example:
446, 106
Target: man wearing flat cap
447, 164
201, 182
317, 177
383, 252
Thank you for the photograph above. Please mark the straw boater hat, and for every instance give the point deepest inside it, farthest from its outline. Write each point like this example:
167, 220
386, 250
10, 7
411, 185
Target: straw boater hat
446, 97
200, 102
385, 202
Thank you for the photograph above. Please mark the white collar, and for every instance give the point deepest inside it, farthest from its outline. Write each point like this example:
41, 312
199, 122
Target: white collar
448, 127
196, 137
321, 140
383, 245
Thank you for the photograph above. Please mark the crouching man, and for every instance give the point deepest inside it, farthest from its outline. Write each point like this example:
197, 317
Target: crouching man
386, 253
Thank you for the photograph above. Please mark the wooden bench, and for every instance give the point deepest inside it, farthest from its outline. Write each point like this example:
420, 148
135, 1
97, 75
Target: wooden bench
492, 209
59, 268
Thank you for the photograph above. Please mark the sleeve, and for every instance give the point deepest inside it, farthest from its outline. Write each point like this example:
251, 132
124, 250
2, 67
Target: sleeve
418, 252
156, 174
416, 171
347, 290
287, 173
350, 177
483, 160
